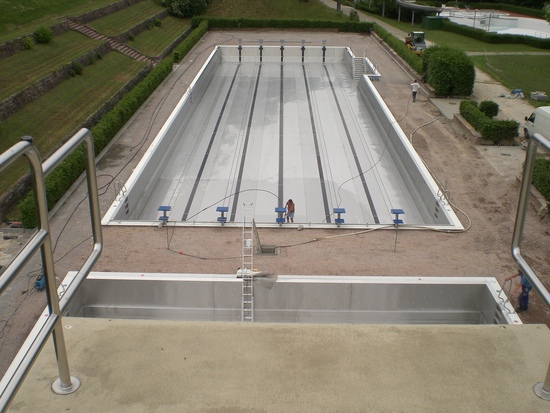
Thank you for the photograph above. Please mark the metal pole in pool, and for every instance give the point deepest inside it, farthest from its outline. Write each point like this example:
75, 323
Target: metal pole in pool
261, 48
240, 48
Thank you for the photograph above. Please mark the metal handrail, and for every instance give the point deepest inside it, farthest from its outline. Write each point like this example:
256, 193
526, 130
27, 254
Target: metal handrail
24, 360
542, 389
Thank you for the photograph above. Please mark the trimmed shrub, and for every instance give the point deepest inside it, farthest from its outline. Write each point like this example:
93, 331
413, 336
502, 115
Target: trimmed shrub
469, 111
353, 16
43, 34
27, 43
76, 68
541, 177
489, 108
185, 46
450, 72
496, 131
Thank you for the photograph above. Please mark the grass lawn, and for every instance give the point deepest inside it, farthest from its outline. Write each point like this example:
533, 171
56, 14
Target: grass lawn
20, 17
123, 20
280, 9
456, 41
26, 67
55, 115
152, 42
530, 73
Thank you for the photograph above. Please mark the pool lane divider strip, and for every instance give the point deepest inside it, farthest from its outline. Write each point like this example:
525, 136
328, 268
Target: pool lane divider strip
281, 141
207, 153
245, 147
317, 152
354, 152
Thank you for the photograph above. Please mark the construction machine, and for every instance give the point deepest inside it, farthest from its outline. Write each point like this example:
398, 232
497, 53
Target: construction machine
416, 42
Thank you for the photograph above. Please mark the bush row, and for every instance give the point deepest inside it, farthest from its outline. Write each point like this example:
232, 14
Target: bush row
343, 26
60, 180
494, 38
495, 131
541, 177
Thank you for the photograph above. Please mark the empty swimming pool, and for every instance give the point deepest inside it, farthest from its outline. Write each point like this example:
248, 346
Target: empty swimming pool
260, 125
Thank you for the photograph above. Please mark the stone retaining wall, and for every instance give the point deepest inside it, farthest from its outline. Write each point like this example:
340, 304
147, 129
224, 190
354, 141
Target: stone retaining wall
134, 31
18, 100
17, 45
14, 46
15, 194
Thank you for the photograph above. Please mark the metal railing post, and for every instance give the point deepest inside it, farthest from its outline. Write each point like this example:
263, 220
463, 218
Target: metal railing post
541, 389
52, 325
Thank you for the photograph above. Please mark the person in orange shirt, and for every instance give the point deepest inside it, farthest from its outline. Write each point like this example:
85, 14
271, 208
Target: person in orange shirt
290, 208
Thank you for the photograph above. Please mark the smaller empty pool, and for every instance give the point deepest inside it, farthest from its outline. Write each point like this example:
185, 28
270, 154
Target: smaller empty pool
294, 299
499, 22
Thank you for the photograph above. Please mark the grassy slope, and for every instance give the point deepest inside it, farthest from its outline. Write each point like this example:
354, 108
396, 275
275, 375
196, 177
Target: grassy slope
25, 68
262, 9
60, 111
530, 73
154, 41
21, 17
124, 20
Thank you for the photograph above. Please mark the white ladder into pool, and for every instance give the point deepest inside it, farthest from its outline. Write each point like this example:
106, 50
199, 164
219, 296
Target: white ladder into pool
247, 266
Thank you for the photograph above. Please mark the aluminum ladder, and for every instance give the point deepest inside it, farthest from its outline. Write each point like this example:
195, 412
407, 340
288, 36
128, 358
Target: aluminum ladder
358, 67
247, 266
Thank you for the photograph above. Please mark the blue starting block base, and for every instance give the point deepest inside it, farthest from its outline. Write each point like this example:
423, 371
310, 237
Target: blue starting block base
222, 210
397, 212
164, 209
40, 283
281, 211
338, 211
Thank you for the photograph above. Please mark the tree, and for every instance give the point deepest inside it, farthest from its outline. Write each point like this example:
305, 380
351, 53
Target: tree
185, 8
449, 71
546, 9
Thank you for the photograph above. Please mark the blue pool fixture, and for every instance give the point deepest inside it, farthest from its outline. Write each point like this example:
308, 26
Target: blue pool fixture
338, 211
164, 209
281, 211
396, 222
397, 212
40, 283
222, 210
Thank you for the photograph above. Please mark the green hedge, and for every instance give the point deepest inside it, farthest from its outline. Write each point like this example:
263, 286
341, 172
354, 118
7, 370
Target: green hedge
496, 131
494, 38
401, 49
541, 177
60, 180
489, 108
343, 26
